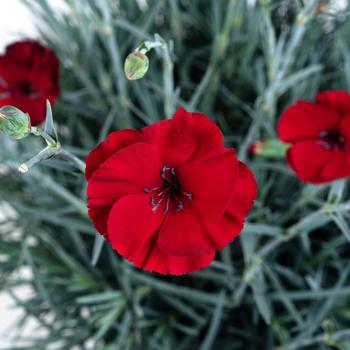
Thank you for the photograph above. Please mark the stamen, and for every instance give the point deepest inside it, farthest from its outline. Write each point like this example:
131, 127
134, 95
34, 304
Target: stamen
149, 190
167, 206
188, 195
169, 190
180, 206
332, 139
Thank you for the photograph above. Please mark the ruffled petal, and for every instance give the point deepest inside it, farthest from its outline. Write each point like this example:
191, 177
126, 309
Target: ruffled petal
308, 159
172, 139
337, 167
116, 141
99, 217
202, 132
206, 135
242, 201
305, 120
187, 136
133, 230
183, 233
160, 262
129, 171
211, 182
337, 100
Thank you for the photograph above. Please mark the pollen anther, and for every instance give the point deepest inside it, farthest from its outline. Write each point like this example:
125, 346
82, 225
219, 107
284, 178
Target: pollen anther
169, 192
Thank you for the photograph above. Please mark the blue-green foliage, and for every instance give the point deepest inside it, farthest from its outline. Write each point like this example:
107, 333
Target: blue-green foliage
285, 283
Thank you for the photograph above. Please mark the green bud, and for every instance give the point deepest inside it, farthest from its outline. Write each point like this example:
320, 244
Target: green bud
14, 122
136, 65
271, 148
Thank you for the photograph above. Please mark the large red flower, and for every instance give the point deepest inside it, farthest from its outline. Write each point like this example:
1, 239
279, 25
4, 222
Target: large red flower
320, 136
28, 77
168, 196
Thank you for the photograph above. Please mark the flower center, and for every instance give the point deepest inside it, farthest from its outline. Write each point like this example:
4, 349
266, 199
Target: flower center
333, 139
25, 87
169, 192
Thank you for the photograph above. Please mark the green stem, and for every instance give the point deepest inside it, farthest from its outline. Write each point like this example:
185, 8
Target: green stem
220, 47
73, 159
168, 70
168, 82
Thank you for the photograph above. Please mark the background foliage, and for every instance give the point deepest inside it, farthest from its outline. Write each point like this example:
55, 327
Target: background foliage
285, 283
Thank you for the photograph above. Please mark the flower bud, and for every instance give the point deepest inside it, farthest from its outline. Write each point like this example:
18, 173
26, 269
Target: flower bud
270, 148
14, 122
136, 65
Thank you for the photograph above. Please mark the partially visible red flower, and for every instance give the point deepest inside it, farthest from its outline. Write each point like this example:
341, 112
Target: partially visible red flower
320, 136
28, 77
168, 196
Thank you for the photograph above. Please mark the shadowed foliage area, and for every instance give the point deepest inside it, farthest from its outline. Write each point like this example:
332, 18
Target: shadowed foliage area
285, 282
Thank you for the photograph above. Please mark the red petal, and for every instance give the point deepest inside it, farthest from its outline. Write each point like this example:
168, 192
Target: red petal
187, 135
231, 223
211, 182
183, 233
305, 120
6, 102
207, 136
33, 55
13, 72
28, 60
337, 167
133, 229
172, 139
337, 99
160, 262
22, 50
344, 127
203, 132
99, 216
127, 172
116, 141
308, 159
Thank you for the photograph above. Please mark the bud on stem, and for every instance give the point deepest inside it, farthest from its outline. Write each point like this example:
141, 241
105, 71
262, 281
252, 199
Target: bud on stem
271, 148
14, 122
137, 63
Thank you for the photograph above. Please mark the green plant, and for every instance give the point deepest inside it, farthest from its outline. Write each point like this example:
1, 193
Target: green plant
284, 284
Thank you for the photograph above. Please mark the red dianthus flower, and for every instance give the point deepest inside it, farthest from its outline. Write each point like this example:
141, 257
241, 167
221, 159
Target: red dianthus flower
28, 77
168, 196
320, 136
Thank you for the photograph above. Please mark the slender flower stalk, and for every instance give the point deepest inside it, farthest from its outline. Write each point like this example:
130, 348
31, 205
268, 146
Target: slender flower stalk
137, 63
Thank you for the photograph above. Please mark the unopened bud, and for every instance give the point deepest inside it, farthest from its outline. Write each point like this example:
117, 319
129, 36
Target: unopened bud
136, 65
256, 147
271, 148
14, 122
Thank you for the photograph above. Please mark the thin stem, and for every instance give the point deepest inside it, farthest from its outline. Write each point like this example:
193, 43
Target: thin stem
73, 159
168, 81
40, 132
164, 49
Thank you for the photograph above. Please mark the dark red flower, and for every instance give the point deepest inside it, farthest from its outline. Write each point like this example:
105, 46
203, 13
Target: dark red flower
168, 196
28, 77
320, 136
